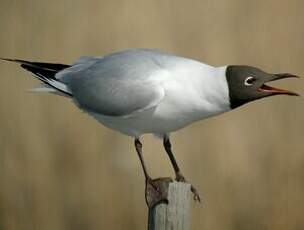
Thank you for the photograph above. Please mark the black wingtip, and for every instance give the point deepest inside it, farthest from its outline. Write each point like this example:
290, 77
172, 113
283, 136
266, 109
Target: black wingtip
13, 60
7, 59
41, 65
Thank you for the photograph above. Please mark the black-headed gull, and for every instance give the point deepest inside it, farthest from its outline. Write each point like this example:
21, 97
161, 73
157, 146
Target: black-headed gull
141, 91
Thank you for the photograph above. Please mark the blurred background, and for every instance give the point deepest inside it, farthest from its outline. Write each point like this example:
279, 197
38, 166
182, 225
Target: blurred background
60, 169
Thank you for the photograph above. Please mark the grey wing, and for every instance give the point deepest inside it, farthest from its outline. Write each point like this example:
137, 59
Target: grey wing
116, 85
115, 98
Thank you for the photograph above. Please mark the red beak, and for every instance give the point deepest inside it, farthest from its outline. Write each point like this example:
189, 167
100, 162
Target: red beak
273, 90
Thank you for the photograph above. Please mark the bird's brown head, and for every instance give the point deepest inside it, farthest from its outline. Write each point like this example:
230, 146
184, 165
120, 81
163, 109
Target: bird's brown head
248, 83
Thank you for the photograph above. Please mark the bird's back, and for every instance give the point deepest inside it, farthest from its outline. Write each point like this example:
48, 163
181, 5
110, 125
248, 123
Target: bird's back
120, 83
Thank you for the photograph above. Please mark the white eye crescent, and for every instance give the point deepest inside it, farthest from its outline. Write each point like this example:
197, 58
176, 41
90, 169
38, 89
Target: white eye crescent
249, 81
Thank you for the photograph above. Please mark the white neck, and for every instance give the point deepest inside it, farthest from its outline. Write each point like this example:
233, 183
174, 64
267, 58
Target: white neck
201, 92
212, 87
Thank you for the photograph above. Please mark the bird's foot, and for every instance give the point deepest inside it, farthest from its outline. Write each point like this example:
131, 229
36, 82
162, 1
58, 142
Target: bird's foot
156, 190
181, 178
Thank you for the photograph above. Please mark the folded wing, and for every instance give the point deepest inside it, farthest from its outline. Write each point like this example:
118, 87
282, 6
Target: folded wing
116, 85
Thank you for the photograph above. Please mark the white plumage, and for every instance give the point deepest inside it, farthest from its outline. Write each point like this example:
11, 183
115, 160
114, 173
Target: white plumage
138, 91
146, 91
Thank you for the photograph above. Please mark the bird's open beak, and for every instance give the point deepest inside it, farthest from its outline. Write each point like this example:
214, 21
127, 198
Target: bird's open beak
269, 89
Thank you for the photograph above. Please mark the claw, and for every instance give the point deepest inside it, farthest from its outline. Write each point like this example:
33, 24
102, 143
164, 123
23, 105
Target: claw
156, 191
196, 195
181, 178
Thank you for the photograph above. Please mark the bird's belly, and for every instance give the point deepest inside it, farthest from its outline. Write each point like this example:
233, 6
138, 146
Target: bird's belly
157, 121
141, 123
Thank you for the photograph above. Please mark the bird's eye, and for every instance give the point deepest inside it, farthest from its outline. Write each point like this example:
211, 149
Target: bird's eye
249, 81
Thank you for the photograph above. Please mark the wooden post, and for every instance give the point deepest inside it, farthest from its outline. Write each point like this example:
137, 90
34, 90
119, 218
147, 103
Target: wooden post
175, 214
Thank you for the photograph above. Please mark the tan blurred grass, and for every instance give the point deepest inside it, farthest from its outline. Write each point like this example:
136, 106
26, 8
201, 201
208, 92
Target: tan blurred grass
59, 169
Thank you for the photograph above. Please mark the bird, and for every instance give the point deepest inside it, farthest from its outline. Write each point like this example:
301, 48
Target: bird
149, 91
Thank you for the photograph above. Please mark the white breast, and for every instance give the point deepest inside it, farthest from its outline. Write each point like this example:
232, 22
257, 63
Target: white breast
193, 91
